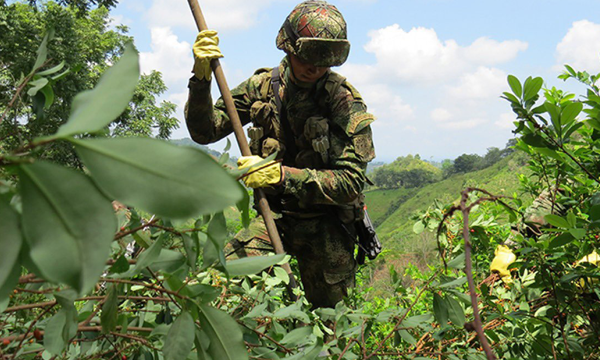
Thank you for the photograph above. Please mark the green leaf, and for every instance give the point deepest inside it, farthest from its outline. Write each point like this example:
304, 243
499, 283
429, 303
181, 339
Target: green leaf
252, 264
532, 87
440, 309
297, 336
92, 110
53, 334
180, 338
458, 262
68, 224
63, 325
244, 207
52, 70
48, 95
418, 227
11, 240
217, 234
561, 240
455, 312
36, 86
417, 320
555, 116
571, 111
110, 308
577, 233
571, 129
454, 283
6, 289
534, 140
549, 152
192, 250
557, 221
172, 181
515, 85
593, 123
406, 336
510, 97
42, 51
168, 261
120, 266
226, 342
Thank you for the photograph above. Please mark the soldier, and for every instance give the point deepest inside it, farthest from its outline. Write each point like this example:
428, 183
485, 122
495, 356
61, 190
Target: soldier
318, 125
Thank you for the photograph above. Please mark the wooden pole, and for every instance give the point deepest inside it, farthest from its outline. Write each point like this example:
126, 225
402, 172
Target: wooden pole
238, 130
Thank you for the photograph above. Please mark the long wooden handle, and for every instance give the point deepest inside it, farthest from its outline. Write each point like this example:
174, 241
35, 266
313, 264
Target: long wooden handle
263, 205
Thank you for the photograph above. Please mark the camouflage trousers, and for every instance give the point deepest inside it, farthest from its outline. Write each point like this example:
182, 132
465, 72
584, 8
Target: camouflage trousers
323, 248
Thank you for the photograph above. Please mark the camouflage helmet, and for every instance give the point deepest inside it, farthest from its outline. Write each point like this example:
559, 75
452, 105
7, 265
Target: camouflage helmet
315, 31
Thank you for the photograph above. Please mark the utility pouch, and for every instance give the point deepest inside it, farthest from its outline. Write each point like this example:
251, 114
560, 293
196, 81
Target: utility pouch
316, 130
271, 146
255, 134
368, 242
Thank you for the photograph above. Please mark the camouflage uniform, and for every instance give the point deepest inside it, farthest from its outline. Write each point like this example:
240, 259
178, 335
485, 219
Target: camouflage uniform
320, 182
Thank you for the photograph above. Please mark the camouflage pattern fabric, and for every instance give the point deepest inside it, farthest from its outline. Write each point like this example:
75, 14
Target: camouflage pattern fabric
533, 218
324, 250
315, 187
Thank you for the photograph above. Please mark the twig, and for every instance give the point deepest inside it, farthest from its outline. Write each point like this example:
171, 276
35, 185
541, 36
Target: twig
469, 272
131, 231
347, 348
52, 303
286, 350
20, 88
29, 329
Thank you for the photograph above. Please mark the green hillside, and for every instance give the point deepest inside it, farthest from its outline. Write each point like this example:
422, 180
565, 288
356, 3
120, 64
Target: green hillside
395, 229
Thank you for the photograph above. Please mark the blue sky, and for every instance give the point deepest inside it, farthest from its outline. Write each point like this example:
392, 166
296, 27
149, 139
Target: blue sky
432, 71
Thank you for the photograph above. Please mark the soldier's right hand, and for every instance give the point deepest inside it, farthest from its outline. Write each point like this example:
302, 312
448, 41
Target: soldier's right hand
206, 48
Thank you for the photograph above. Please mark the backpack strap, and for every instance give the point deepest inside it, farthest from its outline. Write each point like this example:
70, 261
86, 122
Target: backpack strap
285, 124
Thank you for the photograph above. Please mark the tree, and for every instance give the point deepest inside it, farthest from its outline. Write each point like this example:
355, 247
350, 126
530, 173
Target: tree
466, 163
83, 46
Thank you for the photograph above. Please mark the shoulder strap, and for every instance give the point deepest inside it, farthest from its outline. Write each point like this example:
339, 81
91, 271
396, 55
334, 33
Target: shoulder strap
285, 124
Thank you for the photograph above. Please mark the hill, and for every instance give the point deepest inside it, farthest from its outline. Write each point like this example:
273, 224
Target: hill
393, 209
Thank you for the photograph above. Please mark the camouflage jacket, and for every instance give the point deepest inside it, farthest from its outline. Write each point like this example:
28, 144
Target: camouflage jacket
330, 126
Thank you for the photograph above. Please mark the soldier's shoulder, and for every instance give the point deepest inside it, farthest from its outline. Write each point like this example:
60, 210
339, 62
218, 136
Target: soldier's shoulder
339, 87
351, 114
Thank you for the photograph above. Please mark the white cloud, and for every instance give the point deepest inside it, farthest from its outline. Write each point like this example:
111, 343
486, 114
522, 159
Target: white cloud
488, 51
169, 56
220, 14
484, 83
580, 47
441, 115
506, 120
463, 124
420, 56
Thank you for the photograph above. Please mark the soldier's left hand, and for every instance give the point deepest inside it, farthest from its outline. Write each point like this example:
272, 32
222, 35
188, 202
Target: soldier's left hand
267, 174
205, 49
504, 257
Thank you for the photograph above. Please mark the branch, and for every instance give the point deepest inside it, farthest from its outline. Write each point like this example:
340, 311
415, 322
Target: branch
469, 271
401, 319
20, 88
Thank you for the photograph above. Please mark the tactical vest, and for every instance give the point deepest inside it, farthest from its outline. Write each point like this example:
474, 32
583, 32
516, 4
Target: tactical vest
297, 126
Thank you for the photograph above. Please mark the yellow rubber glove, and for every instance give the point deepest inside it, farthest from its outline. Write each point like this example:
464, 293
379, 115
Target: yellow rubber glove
269, 174
205, 49
504, 257
593, 259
